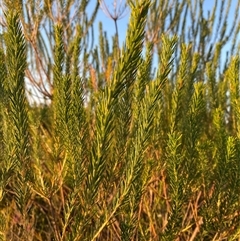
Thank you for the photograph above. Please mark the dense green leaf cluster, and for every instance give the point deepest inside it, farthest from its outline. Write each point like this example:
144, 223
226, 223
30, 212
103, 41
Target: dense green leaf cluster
119, 152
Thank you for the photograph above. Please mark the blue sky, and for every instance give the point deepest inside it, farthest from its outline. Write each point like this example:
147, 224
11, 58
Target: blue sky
108, 24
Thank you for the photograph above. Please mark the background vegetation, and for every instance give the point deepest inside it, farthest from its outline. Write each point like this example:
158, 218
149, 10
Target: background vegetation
113, 150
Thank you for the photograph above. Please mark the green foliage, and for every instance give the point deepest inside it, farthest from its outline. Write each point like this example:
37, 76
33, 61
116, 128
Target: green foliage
16, 169
117, 151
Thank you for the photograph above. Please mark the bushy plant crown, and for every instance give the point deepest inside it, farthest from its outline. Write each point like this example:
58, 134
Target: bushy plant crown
114, 150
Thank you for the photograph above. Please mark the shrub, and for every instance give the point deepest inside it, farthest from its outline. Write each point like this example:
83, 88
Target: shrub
120, 153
